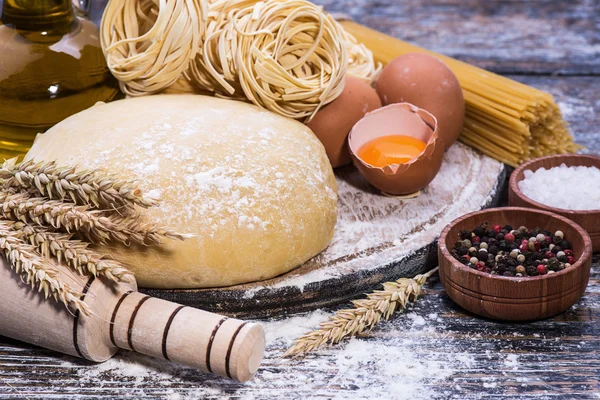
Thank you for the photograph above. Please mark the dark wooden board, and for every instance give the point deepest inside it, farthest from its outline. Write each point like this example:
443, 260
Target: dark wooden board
556, 359
506, 36
559, 358
377, 239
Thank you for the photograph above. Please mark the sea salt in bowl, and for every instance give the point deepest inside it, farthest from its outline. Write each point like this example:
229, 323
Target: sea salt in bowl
512, 298
588, 219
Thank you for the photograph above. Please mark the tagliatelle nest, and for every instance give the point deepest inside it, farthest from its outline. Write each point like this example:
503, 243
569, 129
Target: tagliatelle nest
287, 56
148, 44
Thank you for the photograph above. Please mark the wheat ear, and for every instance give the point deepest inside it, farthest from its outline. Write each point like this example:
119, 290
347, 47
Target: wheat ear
92, 224
82, 187
74, 253
364, 316
35, 271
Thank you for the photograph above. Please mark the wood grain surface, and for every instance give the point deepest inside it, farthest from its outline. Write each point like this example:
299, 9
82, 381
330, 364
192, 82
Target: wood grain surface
588, 219
377, 238
553, 45
510, 298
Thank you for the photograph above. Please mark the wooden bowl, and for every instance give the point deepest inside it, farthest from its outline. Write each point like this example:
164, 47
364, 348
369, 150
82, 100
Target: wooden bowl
515, 298
589, 219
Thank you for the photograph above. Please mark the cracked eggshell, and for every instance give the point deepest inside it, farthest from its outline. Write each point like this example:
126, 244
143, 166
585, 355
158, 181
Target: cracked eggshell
401, 119
333, 122
428, 83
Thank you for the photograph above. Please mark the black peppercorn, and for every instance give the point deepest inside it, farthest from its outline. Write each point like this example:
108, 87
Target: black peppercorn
500, 236
479, 231
465, 234
564, 244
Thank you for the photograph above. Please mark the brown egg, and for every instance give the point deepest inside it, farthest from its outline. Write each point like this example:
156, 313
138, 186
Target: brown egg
405, 177
333, 122
426, 82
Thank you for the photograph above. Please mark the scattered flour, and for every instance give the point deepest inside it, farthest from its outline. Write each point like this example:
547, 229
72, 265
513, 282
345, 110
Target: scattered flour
571, 188
512, 360
394, 366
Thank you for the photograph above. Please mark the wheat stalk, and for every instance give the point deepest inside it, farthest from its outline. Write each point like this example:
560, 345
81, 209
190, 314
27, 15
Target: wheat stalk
92, 224
82, 187
74, 253
364, 316
35, 270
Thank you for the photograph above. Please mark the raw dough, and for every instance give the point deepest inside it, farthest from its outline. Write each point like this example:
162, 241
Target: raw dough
256, 188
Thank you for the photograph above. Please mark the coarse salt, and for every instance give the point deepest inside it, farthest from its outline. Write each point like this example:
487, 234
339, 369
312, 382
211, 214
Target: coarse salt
570, 188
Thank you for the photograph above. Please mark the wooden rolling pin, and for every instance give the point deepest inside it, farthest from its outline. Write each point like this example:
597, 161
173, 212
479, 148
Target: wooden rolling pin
123, 318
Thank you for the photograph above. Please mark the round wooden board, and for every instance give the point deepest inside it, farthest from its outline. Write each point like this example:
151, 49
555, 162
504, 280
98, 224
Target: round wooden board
377, 239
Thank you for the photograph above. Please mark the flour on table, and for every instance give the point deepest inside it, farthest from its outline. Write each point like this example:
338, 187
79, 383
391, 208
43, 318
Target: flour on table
373, 230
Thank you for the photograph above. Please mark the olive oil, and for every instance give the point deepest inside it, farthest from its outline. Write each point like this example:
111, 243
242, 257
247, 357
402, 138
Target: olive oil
51, 66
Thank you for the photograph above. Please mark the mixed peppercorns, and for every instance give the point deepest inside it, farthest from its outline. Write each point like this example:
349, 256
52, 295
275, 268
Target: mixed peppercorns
502, 250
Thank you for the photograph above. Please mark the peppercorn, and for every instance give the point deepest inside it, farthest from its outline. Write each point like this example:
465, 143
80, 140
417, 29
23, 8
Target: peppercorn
473, 260
509, 237
483, 245
520, 269
565, 245
521, 258
476, 240
541, 269
467, 243
482, 254
559, 234
465, 234
461, 251
570, 259
479, 231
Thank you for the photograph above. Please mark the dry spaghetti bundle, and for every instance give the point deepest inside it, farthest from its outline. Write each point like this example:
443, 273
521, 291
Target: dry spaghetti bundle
505, 119
288, 56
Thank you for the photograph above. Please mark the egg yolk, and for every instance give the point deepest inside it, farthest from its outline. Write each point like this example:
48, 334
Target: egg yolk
393, 149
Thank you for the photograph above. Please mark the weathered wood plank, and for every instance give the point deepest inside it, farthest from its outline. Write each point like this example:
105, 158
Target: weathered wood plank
552, 359
508, 36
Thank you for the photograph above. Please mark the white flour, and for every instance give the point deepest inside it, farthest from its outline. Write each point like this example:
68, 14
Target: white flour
391, 367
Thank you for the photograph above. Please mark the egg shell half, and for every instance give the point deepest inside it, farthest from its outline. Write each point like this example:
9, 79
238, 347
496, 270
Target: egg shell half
401, 119
428, 83
333, 122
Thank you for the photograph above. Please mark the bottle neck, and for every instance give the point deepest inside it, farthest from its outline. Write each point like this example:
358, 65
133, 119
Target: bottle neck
38, 14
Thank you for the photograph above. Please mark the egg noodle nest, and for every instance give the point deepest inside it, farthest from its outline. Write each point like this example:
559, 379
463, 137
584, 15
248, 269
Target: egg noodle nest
288, 56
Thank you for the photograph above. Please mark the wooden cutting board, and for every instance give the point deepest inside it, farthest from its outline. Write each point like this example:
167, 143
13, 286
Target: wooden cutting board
377, 239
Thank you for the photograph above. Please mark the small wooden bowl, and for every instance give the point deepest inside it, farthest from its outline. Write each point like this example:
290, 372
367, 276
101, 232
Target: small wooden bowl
515, 298
589, 219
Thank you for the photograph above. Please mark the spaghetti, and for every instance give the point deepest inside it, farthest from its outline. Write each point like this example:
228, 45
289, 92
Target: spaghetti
505, 119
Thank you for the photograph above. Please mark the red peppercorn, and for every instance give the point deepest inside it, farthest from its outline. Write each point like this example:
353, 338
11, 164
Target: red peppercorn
466, 257
548, 239
571, 259
476, 240
497, 228
548, 254
524, 248
524, 241
541, 269
509, 237
568, 252
537, 245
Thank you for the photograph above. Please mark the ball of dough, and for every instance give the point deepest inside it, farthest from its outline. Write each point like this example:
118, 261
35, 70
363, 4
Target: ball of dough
254, 187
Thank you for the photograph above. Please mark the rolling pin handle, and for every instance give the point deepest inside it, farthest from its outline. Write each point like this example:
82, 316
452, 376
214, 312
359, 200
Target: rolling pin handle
224, 346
